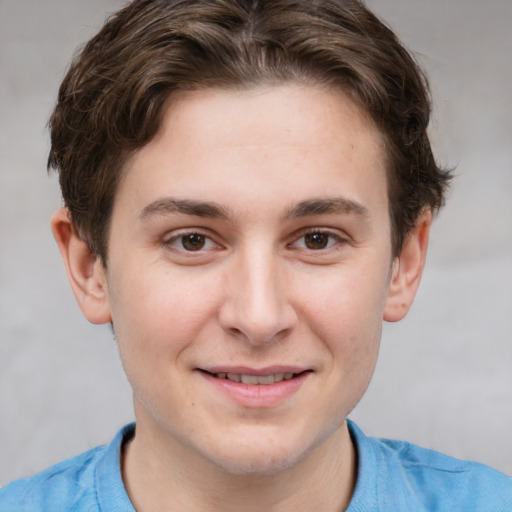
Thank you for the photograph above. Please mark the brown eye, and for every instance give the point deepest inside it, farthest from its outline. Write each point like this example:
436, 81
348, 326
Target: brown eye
188, 242
316, 240
193, 242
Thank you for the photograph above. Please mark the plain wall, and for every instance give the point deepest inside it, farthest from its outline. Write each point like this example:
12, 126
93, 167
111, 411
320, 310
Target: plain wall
444, 379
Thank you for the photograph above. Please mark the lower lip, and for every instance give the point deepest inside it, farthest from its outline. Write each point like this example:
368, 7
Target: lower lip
257, 395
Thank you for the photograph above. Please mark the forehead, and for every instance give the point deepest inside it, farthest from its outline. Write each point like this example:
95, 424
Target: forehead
295, 139
291, 114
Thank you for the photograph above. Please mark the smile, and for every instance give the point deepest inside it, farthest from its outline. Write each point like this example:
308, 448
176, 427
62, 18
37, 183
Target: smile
263, 380
256, 388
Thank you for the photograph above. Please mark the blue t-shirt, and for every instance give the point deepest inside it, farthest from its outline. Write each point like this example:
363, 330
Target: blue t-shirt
393, 476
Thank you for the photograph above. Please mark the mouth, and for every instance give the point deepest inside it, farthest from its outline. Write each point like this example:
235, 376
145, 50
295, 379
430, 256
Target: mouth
251, 388
252, 380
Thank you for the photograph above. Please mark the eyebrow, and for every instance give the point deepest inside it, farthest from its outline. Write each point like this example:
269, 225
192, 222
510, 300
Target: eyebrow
184, 206
307, 208
329, 205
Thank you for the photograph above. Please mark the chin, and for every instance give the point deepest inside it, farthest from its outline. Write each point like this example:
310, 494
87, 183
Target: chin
265, 456
264, 463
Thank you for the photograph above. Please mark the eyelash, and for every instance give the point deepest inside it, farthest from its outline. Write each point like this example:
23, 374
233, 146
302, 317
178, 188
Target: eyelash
335, 238
178, 240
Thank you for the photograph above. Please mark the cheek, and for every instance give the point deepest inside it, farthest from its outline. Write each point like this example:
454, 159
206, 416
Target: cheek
156, 313
346, 300
157, 319
350, 328
345, 311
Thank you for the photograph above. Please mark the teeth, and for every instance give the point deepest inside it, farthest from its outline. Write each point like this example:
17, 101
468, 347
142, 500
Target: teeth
266, 379
255, 379
249, 379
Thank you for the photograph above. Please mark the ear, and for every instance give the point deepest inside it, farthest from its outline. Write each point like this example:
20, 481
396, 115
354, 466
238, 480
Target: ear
84, 269
407, 269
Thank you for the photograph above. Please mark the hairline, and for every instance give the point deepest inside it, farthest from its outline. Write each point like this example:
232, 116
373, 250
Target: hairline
332, 86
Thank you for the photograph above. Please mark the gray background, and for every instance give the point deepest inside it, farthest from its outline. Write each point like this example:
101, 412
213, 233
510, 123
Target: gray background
444, 379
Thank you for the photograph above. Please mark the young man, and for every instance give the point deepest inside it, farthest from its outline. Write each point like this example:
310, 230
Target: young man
249, 189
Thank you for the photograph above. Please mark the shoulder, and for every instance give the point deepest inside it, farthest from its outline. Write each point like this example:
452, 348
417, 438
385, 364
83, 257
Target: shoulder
430, 480
56, 488
445, 482
76, 484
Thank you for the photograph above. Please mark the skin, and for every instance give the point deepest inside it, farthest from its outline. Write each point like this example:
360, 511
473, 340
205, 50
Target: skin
251, 234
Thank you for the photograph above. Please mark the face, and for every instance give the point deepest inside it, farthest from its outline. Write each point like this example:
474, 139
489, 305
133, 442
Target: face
248, 272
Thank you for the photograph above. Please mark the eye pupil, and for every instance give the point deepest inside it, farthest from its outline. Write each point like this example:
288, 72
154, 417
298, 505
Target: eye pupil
316, 240
193, 242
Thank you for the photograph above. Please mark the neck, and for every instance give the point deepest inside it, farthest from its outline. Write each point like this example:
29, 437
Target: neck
168, 479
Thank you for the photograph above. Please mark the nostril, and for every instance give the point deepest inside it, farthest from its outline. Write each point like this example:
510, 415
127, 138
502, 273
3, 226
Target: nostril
235, 332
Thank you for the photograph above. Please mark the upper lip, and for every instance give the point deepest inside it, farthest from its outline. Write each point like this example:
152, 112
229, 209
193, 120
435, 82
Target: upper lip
246, 370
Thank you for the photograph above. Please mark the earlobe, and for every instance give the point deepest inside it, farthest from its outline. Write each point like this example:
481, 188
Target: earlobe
84, 269
407, 269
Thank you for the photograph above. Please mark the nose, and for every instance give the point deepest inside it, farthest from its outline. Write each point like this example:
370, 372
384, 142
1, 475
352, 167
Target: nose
256, 307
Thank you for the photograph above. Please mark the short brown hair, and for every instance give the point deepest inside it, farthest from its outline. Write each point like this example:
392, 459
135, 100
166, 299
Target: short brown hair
112, 99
